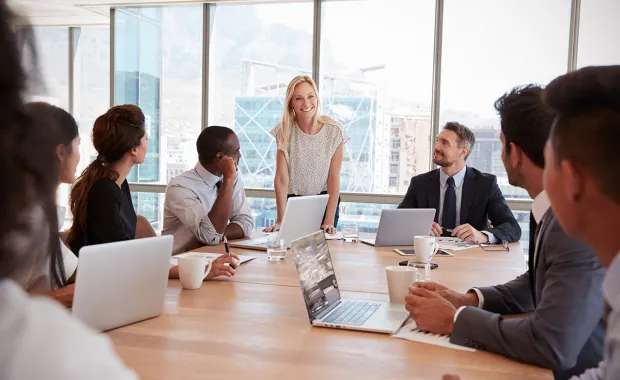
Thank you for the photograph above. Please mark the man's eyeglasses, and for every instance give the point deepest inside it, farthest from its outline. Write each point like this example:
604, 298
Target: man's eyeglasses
495, 247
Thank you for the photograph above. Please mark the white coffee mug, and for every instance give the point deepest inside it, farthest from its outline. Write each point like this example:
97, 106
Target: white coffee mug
192, 270
399, 279
425, 248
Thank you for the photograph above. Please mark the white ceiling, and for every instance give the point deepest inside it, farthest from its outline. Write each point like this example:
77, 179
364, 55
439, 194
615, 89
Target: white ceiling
84, 12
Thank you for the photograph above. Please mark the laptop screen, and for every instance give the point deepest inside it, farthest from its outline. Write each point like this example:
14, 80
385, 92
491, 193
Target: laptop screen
316, 273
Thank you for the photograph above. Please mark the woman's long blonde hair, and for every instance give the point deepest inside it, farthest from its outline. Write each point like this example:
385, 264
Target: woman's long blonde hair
288, 115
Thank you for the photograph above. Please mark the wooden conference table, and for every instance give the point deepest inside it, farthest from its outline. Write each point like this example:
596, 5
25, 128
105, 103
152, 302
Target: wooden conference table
255, 325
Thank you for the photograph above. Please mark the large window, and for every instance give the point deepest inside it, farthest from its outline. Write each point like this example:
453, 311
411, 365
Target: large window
255, 50
599, 33
376, 75
92, 84
158, 66
53, 61
51, 82
376, 79
151, 206
490, 47
264, 212
91, 94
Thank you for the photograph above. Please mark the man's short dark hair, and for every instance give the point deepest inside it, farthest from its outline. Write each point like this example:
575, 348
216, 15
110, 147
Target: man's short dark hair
212, 140
587, 126
526, 121
466, 136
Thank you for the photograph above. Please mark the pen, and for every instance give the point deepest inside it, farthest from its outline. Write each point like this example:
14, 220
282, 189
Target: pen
228, 252
226, 246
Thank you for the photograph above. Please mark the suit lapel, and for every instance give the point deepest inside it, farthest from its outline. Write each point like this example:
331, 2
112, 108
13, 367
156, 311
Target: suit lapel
467, 196
433, 193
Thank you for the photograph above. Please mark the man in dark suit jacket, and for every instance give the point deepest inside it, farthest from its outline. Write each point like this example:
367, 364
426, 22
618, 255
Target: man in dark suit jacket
465, 198
562, 288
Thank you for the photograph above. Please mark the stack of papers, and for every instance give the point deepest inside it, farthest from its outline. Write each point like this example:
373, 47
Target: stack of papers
410, 331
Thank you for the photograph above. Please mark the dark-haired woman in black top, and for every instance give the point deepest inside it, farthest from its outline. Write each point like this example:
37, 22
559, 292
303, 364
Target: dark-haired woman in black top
111, 215
100, 199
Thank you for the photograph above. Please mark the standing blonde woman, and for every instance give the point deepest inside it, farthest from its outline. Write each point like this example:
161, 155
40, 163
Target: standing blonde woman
310, 149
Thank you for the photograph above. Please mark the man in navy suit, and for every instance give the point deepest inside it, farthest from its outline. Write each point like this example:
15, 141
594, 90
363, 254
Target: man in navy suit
465, 198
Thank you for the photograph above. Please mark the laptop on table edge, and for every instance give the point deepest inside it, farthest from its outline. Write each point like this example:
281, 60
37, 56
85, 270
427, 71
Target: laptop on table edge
121, 283
303, 215
321, 293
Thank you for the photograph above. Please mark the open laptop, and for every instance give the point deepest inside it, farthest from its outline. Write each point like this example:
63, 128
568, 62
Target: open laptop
122, 283
322, 296
303, 215
398, 226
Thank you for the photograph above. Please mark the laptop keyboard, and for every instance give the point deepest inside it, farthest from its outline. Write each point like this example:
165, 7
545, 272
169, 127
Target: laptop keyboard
352, 313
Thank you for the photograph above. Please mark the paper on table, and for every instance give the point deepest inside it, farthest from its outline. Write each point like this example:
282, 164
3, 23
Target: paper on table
411, 332
453, 244
242, 258
411, 252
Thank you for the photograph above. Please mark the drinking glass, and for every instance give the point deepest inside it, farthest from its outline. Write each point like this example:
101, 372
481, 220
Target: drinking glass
277, 251
423, 271
350, 232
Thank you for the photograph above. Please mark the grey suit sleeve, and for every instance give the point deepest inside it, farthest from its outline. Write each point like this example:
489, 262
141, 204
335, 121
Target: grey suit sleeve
570, 307
513, 297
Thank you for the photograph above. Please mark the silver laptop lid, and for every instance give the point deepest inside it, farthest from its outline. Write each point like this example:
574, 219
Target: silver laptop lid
303, 216
316, 274
121, 283
399, 226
